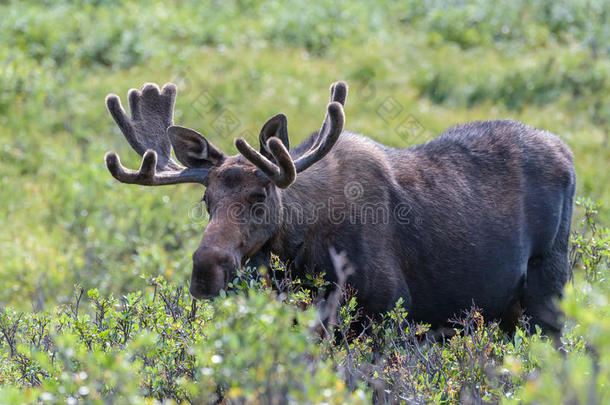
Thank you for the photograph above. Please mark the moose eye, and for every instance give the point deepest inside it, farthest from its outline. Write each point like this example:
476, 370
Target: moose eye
257, 197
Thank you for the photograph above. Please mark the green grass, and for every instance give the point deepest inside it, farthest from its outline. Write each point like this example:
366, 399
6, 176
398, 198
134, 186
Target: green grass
66, 221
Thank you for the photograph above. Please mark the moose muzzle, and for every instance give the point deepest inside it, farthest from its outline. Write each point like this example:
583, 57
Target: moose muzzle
212, 268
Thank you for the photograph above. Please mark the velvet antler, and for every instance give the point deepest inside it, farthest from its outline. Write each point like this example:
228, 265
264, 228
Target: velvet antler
152, 112
284, 172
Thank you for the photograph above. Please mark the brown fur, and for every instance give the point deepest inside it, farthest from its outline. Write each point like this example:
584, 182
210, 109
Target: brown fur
479, 215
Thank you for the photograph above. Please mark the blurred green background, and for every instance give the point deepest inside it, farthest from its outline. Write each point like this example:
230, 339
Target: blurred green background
415, 68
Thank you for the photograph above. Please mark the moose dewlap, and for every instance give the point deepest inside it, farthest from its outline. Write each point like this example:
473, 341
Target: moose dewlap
480, 215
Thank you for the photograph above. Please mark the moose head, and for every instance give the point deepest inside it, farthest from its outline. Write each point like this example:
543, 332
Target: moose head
243, 192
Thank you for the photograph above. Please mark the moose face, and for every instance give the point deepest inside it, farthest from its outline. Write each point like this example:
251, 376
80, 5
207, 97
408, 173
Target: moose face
243, 192
244, 210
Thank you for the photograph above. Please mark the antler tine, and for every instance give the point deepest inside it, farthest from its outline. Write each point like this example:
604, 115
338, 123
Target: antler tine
338, 93
282, 174
147, 174
152, 111
331, 129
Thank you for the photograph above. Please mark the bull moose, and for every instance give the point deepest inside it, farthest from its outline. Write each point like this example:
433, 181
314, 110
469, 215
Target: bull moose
481, 214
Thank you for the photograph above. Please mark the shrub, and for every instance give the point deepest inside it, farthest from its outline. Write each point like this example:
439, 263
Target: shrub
257, 344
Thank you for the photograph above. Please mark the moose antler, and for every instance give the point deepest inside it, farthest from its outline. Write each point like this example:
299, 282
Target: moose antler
152, 112
284, 173
331, 128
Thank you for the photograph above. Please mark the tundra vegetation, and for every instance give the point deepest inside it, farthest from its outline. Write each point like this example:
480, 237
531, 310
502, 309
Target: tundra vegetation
95, 303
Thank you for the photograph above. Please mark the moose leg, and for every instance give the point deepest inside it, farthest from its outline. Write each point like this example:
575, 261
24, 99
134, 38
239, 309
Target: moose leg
546, 276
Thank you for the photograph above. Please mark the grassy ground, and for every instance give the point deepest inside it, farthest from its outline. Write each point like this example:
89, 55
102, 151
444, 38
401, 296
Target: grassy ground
432, 64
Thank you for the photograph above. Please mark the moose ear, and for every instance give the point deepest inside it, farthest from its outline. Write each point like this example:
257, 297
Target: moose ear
192, 149
276, 126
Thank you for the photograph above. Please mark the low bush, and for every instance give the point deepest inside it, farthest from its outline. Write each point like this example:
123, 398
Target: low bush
257, 344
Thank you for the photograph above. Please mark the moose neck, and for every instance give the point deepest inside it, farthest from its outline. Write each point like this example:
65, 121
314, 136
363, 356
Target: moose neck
304, 206
356, 177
